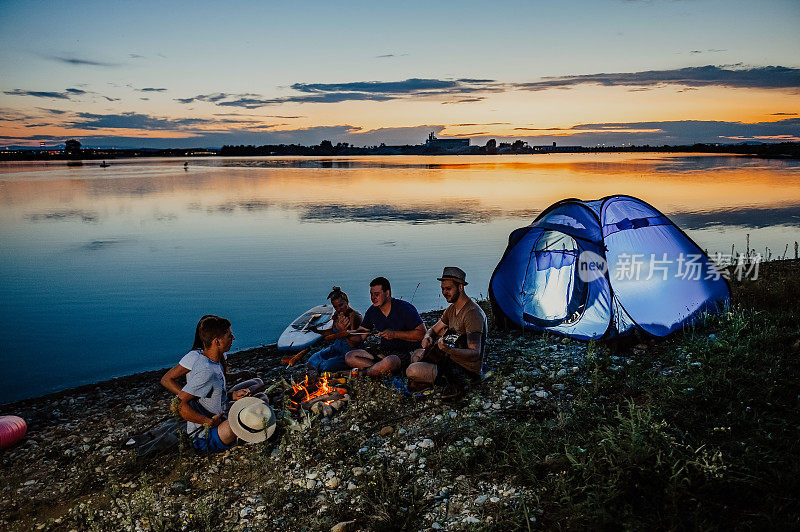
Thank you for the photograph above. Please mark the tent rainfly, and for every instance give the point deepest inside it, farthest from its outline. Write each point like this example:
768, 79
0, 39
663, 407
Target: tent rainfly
603, 268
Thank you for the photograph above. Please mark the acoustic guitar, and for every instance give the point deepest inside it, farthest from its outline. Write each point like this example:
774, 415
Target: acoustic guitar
434, 355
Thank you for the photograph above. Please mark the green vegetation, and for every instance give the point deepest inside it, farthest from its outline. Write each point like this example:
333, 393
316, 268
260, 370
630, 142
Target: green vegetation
697, 432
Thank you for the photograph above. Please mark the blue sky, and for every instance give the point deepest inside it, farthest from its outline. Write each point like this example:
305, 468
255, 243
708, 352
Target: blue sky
207, 73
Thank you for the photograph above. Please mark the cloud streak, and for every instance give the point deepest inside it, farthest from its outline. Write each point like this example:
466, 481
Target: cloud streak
378, 91
678, 132
66, 94
470, 90
52, 111
767, 77
213, 98
484, 124
133, 121
409, 86
256, 102
53, 95
76, 61
465, 100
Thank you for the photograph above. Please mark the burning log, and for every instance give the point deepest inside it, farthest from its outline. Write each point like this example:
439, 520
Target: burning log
327, 398
318, 396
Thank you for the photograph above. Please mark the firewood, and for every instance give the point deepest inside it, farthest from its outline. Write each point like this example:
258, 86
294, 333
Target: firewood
321, 399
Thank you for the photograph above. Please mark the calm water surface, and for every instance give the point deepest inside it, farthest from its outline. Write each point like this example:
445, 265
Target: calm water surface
105, 271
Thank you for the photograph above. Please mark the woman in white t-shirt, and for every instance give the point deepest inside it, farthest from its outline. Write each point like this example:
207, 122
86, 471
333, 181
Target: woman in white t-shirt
170, 378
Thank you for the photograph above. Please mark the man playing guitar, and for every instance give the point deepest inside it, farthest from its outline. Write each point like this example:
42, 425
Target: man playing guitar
442, 359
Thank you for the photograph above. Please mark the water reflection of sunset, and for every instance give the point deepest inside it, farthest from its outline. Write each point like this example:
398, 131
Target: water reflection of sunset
503, 185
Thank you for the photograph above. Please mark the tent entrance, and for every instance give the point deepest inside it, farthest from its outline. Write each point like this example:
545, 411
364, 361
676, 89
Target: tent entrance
552, 291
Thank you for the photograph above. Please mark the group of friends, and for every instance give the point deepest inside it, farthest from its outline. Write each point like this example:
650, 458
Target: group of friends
448, 354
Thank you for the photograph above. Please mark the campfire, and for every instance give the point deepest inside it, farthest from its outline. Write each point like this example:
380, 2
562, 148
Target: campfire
325, 395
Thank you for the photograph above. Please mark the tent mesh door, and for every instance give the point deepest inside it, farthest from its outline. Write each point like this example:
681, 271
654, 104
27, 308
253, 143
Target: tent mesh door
552, 290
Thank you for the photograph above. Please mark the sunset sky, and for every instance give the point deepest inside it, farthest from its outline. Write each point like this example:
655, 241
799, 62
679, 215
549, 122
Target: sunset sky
184, 74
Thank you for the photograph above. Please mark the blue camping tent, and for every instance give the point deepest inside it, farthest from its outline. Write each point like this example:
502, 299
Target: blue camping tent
602, 268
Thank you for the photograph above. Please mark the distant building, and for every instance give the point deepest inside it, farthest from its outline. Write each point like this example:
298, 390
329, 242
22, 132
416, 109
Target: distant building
447, 145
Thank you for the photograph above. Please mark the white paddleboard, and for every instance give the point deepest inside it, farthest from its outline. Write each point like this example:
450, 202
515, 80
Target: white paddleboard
298, 336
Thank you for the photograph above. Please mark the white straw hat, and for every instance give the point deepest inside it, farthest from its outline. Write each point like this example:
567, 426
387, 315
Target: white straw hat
252, 419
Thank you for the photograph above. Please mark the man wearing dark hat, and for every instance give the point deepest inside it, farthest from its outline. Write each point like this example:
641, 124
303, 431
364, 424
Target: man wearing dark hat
455, 363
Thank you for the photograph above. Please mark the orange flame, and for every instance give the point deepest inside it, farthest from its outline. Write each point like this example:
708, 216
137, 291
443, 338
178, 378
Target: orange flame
323, 388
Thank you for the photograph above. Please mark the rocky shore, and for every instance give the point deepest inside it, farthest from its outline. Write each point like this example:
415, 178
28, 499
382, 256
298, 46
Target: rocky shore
494, 459
71, 467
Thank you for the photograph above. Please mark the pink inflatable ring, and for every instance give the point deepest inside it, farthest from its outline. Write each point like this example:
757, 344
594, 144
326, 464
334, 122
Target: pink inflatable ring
12, 429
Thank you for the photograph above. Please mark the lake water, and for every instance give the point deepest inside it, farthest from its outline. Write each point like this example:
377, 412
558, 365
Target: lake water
105, 271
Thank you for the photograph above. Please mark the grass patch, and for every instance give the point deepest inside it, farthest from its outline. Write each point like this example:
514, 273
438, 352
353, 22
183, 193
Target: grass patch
699, 432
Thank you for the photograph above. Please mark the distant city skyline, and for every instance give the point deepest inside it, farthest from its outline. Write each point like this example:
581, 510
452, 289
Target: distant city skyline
161, 75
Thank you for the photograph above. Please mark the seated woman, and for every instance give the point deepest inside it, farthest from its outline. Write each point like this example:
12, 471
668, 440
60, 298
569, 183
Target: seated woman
170, 379
345, 319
